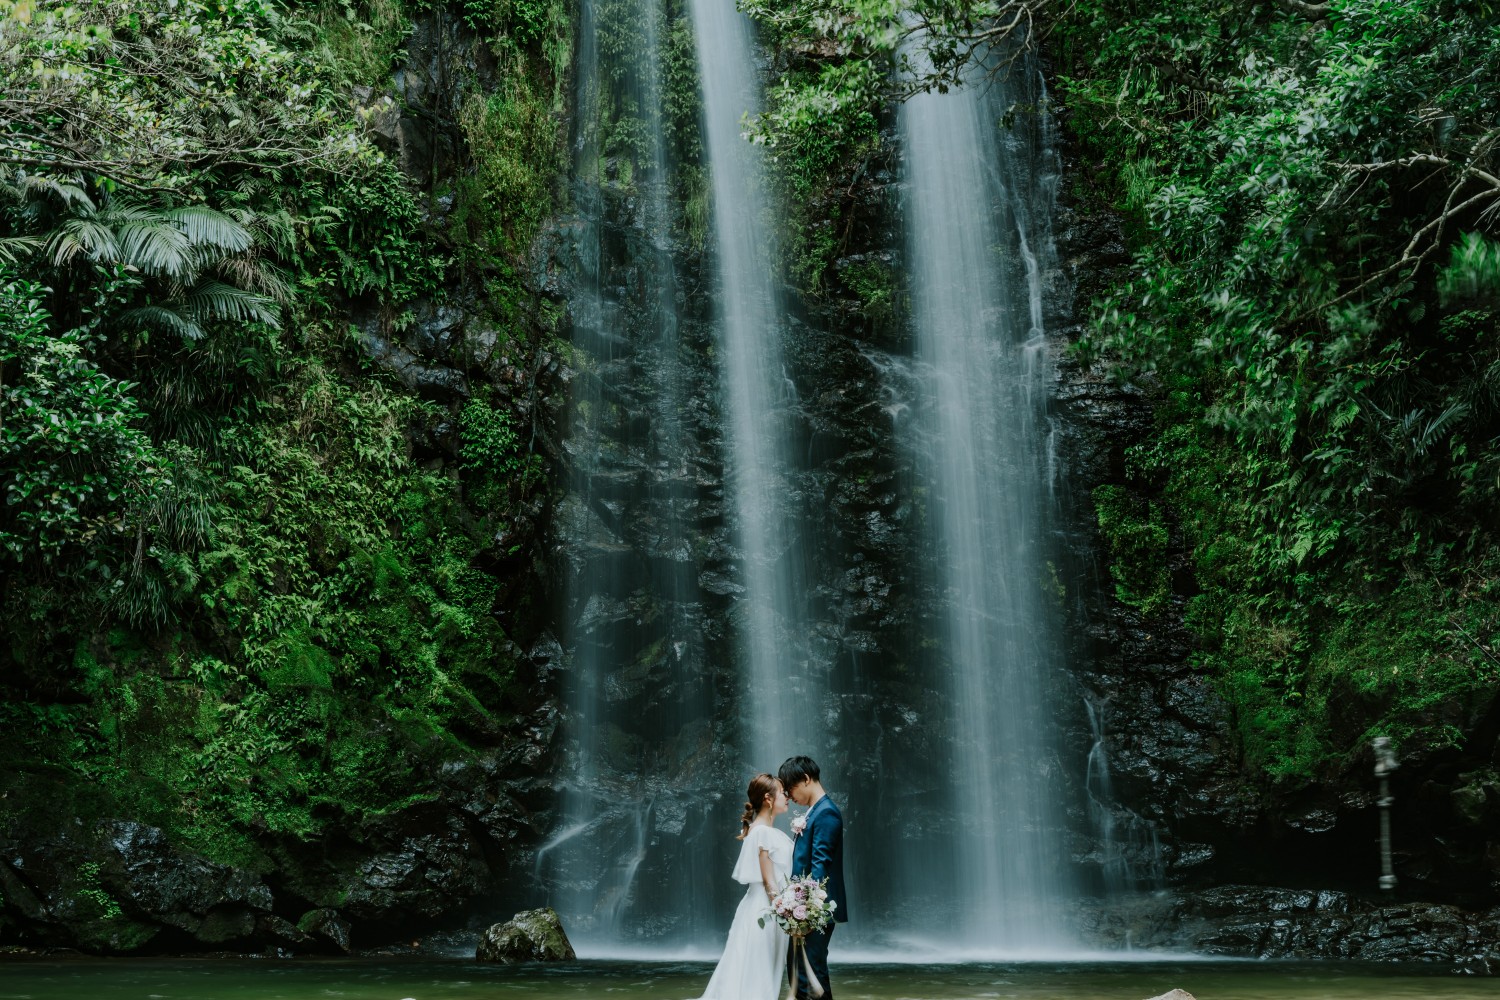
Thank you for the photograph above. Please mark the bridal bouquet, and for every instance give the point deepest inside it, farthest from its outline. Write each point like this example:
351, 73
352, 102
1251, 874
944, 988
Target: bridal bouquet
802, 907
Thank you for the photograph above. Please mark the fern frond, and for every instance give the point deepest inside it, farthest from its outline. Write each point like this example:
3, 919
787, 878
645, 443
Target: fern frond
277, 232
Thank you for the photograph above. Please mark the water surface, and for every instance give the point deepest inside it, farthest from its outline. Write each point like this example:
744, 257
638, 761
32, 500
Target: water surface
378, 979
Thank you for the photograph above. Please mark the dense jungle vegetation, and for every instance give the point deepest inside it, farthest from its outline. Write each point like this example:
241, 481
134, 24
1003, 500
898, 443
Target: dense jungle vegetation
1311, 190
240, 604
237, 602
1311, 194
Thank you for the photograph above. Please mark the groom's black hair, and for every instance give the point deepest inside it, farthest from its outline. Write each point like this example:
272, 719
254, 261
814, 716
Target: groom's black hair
796, 770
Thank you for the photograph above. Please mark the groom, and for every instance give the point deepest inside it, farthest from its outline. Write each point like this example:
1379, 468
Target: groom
819, 852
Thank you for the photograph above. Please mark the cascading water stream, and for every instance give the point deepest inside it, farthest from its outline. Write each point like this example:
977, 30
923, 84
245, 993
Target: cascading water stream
978, 197
638, 698
779, 688
690, 619
1129, 851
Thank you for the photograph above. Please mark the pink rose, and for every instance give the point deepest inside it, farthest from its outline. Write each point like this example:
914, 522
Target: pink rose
798, 825
800, 913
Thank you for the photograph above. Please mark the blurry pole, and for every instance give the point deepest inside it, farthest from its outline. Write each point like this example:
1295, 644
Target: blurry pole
1385, 764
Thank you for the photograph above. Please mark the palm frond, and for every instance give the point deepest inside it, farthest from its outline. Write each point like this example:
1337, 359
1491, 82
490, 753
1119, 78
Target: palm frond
13, 247
256, 276
208, 227
69, 191
85, 235
153, 244
163, 318
216, 300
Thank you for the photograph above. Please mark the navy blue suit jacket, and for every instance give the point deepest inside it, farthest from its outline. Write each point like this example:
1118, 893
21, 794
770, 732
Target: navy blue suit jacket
819, 852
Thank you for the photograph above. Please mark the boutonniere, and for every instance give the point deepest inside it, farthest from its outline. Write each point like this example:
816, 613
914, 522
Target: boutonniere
798, 825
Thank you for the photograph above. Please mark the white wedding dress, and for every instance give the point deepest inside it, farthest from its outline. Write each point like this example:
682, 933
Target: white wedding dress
753, 966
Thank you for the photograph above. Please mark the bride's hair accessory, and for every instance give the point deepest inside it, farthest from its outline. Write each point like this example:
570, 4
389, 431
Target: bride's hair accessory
755, 798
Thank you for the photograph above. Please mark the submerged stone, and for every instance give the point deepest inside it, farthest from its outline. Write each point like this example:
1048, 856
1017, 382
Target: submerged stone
529, 936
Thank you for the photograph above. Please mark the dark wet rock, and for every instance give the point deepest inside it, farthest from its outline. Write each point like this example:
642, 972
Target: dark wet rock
529, 936
424, 875
1240, 921
326, 926
428, 381
281, 932
214, 902
121, 885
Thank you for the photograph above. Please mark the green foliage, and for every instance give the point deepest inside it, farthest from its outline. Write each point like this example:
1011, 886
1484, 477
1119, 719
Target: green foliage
361, 40
1135, 533
160, 89
364, 235
514, 142
874, 284
94, 897
1329, 415
235, 606
522, 20
820, 128
1472, 274
494, 455
75, 464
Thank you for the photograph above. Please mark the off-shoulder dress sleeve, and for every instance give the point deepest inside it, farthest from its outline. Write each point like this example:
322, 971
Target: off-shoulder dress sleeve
747, 867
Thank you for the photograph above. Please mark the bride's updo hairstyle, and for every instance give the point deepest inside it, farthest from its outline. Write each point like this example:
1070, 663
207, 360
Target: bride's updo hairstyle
755, 799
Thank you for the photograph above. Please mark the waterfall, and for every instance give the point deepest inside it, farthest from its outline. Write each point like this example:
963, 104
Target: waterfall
980, 179
1129, 855
631, 856
701, 644
779, 690
680, 517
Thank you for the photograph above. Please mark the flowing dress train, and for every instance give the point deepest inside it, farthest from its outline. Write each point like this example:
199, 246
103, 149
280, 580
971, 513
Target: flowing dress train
754, 958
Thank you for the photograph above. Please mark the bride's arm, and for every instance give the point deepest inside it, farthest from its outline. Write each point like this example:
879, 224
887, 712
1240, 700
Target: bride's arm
767, 873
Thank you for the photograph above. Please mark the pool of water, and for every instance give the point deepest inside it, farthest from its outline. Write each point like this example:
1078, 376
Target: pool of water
392, 979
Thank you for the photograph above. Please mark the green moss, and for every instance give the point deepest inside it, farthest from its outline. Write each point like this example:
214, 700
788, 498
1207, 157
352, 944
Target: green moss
362, 40
513, 139
874, 283
1135, 534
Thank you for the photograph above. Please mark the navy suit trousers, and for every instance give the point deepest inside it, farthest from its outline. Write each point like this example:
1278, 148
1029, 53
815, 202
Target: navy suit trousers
817, 954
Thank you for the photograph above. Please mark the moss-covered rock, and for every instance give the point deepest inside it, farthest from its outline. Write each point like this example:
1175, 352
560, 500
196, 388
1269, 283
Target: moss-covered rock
529, 936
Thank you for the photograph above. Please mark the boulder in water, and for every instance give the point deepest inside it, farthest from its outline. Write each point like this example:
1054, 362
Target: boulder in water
1175, 995
328, 926
529, 936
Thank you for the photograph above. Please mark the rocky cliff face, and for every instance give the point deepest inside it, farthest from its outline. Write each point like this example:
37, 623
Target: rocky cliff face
1238, 866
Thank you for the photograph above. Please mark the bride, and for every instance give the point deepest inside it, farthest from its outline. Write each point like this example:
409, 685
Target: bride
754, 957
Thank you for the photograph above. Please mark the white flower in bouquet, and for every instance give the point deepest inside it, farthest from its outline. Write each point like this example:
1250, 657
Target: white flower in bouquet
802, 907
